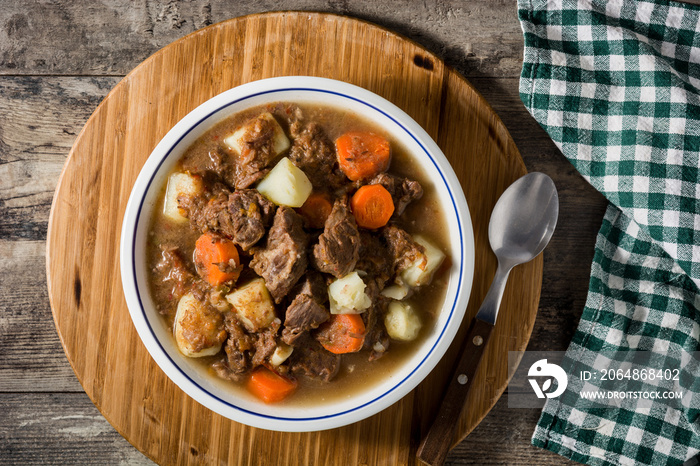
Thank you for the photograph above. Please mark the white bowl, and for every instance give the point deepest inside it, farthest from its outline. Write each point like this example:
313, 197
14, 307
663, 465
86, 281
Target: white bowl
191, 377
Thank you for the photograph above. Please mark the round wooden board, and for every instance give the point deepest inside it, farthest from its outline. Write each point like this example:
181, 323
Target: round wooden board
85, 290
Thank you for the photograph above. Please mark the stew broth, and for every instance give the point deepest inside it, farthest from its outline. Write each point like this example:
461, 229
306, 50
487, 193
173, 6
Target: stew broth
423, 216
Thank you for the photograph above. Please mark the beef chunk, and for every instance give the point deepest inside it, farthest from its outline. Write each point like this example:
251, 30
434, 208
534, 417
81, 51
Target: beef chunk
242, 215
171, 268
211, 165
237, 170
223, 371
338, 247
380, 346
250, 215
237, 346
376, 338
313, 285
311, 360
264, 343
303, 315
293, 336
375, 259
282, 261
245, 351
403, 250
173, 271
202, 212
307, 310
257, 151
403, 191
314, 153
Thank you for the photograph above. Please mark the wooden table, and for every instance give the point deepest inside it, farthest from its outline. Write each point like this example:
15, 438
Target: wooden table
58, 60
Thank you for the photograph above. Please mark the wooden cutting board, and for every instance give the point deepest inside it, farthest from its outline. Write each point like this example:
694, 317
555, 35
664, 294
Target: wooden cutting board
85, 290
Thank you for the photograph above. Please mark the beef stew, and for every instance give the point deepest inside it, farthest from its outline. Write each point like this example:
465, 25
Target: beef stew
283, 296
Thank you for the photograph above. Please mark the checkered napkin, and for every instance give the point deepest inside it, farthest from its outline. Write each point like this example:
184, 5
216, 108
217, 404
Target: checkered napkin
616, 85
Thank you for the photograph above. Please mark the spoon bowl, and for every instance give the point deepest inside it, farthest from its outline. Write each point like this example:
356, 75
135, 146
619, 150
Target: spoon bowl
523, 220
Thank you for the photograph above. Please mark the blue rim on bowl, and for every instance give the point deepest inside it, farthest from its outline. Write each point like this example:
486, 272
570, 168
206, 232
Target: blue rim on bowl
149, 325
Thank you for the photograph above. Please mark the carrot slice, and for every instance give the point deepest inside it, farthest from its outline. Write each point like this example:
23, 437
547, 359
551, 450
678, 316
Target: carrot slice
316, 210
362, 155
372, 206
342, 333
216, 259
270, 386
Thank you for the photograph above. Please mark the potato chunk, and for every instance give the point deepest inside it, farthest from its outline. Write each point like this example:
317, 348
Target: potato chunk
253, 305
280, 142
421, 272
180, 183
198, 330
286, 185
347, 295
402, 322
282, 352
397, 292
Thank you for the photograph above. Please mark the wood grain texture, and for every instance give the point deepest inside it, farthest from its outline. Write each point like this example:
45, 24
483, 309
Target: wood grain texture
33, 360
75, 423
482, 37
83, 237
26, 328
35, 137
59, 58
79, 434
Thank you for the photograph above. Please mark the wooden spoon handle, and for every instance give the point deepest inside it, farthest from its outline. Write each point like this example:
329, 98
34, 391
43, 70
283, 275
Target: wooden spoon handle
435, 445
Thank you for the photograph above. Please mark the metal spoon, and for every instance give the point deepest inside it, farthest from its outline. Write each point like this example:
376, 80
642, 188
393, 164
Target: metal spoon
521, 225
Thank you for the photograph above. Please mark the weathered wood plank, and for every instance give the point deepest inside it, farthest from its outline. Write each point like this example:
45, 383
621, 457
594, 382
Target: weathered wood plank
41, 118
60, 428
503, 438
78, 38
67, 428
31, 355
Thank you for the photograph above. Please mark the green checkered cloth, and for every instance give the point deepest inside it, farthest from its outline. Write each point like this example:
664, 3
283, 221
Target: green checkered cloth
616, 85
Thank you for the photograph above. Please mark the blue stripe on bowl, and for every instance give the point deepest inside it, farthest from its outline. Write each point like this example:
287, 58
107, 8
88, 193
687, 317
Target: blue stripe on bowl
137, 223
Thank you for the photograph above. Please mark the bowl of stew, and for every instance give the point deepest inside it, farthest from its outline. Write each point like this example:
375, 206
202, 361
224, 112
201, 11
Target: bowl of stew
297, 254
